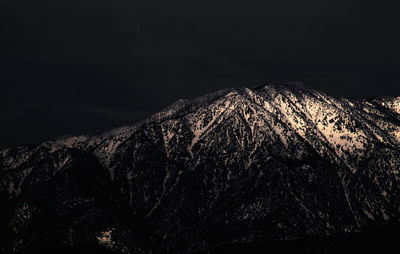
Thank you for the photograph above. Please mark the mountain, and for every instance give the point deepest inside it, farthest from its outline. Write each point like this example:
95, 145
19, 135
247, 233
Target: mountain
274, 167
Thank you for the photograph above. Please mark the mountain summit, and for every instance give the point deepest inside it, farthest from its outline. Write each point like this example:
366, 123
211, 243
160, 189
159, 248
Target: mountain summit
280, 162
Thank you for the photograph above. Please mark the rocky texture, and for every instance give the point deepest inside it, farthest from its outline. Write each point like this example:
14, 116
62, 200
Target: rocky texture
241, 166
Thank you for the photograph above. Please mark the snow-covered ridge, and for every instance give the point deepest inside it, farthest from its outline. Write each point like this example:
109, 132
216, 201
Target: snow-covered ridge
304, 162
301, 110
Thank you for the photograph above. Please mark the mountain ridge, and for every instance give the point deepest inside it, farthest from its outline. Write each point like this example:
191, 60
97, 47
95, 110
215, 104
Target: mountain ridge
276, 162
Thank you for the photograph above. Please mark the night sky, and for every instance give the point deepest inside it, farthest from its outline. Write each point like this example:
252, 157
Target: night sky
77, 66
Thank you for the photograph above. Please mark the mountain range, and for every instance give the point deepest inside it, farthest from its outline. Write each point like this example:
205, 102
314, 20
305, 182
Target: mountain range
276, 168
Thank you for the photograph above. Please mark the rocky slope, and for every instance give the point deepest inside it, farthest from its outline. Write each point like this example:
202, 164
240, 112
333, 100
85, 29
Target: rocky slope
280, 162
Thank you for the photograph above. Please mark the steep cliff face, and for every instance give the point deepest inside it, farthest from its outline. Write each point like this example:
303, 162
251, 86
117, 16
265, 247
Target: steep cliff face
278, 162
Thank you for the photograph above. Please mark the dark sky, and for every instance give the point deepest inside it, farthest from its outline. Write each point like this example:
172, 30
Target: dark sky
76, 66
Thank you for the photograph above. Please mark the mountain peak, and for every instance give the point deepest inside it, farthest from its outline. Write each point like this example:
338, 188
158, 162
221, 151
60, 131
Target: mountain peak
283, 85
276, 162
